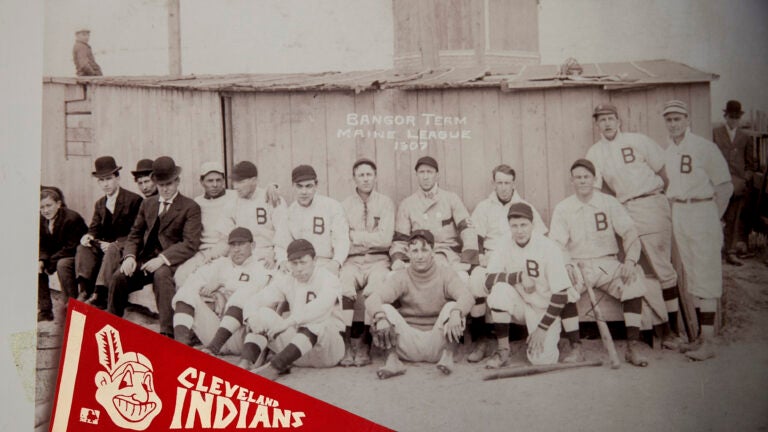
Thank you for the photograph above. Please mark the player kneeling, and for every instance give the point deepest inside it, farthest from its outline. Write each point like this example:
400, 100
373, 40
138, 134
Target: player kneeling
431, 317
224, 281
528, 285
311, 335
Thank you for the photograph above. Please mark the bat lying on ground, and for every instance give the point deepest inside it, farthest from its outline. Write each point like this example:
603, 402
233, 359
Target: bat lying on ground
540, 369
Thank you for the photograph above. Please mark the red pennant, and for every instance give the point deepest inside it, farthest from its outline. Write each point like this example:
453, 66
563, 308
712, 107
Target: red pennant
115, 375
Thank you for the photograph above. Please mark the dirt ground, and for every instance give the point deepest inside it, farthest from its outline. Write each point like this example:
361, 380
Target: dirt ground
728, 392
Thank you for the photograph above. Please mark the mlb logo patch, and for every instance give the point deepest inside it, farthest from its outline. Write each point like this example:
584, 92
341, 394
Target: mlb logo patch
90, 416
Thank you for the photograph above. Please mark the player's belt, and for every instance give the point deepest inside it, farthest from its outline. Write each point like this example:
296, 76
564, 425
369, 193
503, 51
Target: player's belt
691, 200
369, 253
649, 194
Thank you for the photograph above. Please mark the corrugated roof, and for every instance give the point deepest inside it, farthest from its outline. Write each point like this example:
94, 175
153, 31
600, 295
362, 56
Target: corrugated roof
515, 77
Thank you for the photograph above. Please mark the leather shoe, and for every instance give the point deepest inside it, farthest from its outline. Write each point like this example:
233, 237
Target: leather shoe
730, 258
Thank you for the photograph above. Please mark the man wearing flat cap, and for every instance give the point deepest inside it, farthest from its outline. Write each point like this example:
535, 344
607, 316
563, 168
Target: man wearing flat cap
631, 165
310, 336
585, 225
316, 218
441, 212
200, 304
430, 319
371, 217
528, 285
166, 233
217, 206
699, 188
143, 178
738, 150
113, 217
82, 55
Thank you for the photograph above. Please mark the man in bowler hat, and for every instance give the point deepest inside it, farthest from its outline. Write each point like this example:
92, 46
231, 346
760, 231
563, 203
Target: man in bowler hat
166, 233
143, 178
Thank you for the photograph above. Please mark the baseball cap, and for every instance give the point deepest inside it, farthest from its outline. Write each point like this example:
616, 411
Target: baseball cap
211, 166
584, 163
520, 210
298, 248
303, 173
426, 160
605, 109
244, 170
240, 234
426, 235
675, 106
363, 161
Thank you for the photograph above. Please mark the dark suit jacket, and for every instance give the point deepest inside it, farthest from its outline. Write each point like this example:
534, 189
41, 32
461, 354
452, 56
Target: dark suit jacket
126, 209
178, 233
68, 228
739, 154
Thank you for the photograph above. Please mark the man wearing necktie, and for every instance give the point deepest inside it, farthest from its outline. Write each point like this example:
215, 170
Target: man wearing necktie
166, 233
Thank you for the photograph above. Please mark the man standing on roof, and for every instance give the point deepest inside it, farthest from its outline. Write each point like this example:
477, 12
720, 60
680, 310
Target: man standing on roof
82, 55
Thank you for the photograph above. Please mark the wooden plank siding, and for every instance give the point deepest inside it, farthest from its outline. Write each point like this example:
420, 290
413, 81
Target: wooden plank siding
538, 132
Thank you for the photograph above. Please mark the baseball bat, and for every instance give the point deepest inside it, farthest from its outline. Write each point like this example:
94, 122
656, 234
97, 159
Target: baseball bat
605, 334
540, 369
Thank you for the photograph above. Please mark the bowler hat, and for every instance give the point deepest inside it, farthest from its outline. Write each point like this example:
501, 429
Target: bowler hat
143, 168
298, 248
164, 169
423, 234
733, 107
104, 166
240, 234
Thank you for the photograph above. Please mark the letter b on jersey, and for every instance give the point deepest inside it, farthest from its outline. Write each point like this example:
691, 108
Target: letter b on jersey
261, 216
628, 154
532, 267
685, 164
601, 221
318, 225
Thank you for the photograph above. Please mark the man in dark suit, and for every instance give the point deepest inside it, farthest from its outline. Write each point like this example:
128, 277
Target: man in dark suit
143, 178
113, 216
738, 150
166, 233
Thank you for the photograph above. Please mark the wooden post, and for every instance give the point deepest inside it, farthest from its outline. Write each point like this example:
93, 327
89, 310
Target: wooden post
174, 38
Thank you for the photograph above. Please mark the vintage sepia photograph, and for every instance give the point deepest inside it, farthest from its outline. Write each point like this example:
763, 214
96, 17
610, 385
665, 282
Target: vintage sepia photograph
432, 214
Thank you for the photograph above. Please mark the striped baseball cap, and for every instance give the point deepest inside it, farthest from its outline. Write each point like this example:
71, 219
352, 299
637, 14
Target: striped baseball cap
675, 106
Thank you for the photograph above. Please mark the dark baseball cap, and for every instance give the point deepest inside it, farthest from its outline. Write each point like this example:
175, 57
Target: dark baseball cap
363, 161
240, 234
426, 235
426, 160
298, 248
520, 210
605, 108
244, 170
303, 173
584, 163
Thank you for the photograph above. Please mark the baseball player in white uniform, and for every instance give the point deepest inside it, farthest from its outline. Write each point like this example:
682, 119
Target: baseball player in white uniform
585, 225
699, 188
316, 218
371, 218
310, 335
631, 164
430, 320
441, 212
217, 283
216, 203
490, 221
528, 285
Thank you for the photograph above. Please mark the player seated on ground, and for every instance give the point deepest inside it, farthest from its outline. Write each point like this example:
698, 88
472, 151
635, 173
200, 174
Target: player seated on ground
310, 336
371, 217
429, 322
490, 221
528, 285
585, 225
220, 283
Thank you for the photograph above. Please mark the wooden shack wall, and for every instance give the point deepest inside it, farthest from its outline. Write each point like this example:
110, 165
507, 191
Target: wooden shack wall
129, 124
538, 132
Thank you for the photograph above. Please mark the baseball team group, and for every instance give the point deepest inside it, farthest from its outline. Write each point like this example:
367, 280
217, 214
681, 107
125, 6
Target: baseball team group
316, 282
